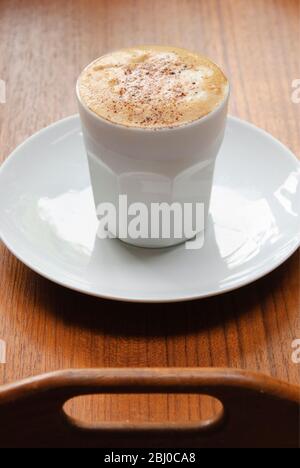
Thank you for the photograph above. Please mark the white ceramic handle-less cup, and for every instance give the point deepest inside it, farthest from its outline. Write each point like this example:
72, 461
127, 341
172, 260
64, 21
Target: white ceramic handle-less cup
153, 165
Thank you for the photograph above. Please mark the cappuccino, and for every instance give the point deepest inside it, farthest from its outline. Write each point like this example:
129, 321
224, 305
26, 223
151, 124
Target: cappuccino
152, 87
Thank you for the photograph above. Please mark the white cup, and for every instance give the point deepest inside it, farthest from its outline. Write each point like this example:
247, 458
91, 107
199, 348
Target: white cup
153, 165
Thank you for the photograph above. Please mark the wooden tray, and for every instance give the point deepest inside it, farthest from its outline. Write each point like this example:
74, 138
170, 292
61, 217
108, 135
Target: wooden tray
258, 411
46, 327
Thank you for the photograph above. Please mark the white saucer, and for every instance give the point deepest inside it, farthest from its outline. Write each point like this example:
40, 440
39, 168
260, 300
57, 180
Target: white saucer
47, 220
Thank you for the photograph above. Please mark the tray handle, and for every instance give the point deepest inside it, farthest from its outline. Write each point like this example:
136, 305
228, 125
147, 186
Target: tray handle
258, 411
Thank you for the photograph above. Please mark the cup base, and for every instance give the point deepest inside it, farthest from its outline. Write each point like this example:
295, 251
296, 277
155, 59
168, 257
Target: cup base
156, 243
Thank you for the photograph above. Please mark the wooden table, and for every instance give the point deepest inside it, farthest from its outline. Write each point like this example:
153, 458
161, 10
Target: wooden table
43, 47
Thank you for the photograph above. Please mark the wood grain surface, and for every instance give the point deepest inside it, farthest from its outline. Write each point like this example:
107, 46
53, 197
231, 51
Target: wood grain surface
43, 47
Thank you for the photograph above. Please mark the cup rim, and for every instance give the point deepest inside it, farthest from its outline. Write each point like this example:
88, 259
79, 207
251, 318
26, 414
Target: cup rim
193, 123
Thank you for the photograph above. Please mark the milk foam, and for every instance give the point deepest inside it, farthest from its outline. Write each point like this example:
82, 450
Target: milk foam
152, 87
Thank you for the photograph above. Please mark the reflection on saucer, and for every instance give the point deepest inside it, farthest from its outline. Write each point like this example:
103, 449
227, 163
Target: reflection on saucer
71, 218
242, 230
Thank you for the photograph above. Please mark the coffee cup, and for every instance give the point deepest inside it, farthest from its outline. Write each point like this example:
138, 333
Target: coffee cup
135, 169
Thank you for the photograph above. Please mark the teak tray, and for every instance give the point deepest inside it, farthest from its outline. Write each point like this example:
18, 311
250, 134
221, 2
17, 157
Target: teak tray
258, 411
47, 327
